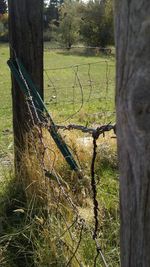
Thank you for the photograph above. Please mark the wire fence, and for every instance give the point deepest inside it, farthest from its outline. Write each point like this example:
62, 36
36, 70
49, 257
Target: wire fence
82, 88
96, 50
73, 85
80, 93
83, 94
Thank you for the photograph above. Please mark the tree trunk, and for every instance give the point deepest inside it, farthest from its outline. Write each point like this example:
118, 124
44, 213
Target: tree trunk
132, 19
26, 40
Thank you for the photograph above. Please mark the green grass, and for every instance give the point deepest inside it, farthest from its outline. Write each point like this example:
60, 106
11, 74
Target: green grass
5, 101
85, 78
38, 245
63, 84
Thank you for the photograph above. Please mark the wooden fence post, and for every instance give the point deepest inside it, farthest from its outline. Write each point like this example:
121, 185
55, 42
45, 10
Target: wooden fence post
26, 40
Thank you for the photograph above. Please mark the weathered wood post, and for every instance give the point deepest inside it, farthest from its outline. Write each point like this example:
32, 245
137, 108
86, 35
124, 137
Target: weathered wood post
133, 128
26, 40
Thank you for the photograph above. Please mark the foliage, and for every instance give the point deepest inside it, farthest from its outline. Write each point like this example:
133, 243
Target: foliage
3, 7
35, 216
51, 13
75, 21
4, 24
69, 23
97, 23
27, 241
51, 20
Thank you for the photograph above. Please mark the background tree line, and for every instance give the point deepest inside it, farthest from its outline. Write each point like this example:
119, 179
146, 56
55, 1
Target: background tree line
3, 20
72, 21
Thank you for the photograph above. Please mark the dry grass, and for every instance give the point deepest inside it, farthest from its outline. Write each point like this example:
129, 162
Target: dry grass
41, 213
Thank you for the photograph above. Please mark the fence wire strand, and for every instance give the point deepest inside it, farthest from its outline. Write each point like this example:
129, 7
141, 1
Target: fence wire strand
81, 90
48, 169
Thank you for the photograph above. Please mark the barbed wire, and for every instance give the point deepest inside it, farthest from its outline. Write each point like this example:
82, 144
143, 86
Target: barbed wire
49, 169
94, 131
49, 173
95, 134
79, 92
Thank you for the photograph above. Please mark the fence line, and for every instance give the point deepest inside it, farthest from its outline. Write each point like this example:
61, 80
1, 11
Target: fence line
81, 88
82, 98
49, 171
97, 49
79, 65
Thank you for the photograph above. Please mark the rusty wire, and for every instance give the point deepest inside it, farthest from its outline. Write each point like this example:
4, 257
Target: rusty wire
77, 247
95, 132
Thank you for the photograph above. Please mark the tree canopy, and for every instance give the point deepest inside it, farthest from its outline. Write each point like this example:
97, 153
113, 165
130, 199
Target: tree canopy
3, 21
97, 23
75, 21
51, 11
69, 23
3, 7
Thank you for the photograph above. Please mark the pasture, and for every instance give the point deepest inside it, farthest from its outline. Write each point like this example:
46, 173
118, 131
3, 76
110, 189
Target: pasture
77, 85
79, 88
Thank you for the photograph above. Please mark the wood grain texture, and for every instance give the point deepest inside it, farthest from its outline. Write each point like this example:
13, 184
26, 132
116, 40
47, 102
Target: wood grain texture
132, 30
26, 38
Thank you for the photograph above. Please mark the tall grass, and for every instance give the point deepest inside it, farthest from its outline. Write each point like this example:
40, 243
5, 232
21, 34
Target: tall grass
36, 213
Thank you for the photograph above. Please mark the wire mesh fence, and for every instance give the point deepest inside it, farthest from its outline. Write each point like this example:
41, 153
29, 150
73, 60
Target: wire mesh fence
82, 94
79, 94
82, 88
68, 88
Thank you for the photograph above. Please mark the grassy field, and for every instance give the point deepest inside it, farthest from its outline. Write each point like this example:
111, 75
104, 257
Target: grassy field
79, 88
73, 81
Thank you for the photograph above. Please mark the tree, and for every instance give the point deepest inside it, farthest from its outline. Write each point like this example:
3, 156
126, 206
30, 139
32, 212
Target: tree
52, 12
3, 7
69, 23
4, 24
97, 23
133, 123
26, 39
